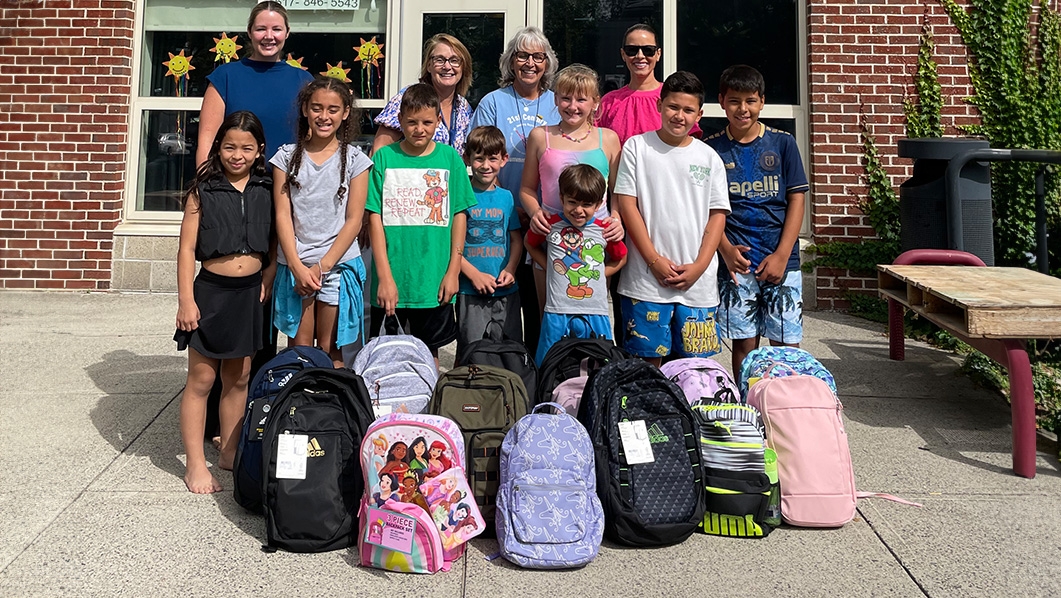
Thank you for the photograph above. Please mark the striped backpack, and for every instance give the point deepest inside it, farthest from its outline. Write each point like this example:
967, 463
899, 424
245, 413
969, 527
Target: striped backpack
732, 445
548, 513
399, 452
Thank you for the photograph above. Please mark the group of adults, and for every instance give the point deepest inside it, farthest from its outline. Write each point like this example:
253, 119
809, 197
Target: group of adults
264, 84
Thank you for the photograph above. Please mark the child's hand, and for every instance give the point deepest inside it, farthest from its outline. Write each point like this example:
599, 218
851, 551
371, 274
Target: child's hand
483, 283
614, 232
387, 295
505, 279
448, 288
268, 277
663, 269
307, 280
187, 315
539, 223
772, 269
687, 276
736, 263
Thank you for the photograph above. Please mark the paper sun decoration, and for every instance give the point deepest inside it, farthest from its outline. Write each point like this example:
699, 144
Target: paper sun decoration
296, 62
226, 47
179, 66
369, 52
337, 72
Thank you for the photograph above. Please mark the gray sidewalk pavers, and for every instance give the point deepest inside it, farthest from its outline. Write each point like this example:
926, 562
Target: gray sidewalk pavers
92, 502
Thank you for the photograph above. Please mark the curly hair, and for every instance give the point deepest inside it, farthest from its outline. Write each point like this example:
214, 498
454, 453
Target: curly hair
346, 133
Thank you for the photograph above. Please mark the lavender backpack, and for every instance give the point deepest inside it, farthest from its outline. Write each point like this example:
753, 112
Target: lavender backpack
702, 379
548, 513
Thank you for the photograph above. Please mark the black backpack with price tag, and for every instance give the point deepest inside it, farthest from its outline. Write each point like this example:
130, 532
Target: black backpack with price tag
327, 412
654, 503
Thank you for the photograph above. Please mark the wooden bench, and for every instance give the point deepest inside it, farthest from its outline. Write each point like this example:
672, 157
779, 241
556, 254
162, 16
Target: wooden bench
992, 309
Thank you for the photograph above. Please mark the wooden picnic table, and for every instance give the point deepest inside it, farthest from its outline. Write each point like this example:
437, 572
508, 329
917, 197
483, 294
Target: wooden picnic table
992, 309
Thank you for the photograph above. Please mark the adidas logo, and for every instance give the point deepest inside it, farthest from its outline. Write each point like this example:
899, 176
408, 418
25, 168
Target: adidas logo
313, 448
656, 435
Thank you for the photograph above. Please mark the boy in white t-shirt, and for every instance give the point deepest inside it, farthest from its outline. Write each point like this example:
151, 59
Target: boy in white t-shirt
672, 193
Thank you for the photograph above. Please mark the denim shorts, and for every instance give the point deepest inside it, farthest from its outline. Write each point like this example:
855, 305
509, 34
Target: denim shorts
329, 292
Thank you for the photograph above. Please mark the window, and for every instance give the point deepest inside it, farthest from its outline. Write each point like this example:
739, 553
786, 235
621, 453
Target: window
592, 33
166, 109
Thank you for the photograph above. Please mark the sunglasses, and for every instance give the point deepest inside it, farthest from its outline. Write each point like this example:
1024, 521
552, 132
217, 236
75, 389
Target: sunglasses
632, 50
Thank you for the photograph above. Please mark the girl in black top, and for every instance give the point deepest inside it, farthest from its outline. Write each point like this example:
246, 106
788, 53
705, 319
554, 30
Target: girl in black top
228, 226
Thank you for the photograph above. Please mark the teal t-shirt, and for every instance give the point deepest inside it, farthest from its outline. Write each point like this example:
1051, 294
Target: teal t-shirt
487, 245
417, 197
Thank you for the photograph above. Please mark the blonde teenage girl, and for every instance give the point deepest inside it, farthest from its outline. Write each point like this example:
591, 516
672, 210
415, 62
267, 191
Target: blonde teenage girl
575, 140
321, 181
228, 227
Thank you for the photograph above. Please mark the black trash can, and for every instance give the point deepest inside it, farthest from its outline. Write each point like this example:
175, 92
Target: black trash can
923, 213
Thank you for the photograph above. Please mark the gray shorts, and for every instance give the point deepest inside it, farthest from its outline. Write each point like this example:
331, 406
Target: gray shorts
474, 312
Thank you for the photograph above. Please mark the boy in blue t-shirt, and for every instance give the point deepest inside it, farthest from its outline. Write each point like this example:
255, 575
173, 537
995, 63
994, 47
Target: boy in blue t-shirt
492, 247
767, 188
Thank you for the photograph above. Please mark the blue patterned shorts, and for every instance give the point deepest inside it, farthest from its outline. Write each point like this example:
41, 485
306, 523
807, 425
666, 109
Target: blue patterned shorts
659, 329
754, 308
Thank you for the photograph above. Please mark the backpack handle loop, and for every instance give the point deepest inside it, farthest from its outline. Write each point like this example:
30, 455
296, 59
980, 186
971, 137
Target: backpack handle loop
770, 367
557, 406
397, 325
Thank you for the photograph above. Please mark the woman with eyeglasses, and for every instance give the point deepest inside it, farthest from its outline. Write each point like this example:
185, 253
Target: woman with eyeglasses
631, 110
524, 101
448, 68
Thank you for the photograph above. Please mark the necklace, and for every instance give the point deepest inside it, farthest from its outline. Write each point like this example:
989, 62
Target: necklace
526, 108
572, 139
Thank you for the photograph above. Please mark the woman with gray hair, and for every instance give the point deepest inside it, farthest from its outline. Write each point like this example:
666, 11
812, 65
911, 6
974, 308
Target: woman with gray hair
524, 101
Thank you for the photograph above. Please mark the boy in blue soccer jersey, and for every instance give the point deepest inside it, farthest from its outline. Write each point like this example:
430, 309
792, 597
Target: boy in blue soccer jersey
760, 285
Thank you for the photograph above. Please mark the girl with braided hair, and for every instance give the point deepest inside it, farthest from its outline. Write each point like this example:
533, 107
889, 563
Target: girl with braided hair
320, 182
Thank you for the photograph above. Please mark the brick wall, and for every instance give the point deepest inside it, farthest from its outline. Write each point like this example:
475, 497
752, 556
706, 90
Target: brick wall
65, 76
865, 51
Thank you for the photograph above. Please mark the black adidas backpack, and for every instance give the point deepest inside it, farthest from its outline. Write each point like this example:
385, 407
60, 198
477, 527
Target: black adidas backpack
267, 384
505, 353
654, 503
564, 360
329, 410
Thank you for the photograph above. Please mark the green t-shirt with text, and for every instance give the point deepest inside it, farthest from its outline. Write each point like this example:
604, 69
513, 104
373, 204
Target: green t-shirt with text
417, 197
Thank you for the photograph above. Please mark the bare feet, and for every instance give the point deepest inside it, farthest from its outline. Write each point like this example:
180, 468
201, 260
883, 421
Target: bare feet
216, 441
200, 481
225, 461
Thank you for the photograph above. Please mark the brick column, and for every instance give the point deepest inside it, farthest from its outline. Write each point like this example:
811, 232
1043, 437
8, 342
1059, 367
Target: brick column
65, 91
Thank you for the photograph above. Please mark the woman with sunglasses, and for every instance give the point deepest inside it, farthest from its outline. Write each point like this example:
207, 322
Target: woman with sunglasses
448, 68
632, 110
523, 102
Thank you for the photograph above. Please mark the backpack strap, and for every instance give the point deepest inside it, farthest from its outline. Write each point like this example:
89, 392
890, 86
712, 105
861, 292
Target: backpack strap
397, 324
886, 497
557, 406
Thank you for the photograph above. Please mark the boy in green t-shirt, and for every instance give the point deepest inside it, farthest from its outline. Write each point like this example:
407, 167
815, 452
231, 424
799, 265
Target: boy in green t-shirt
417, 196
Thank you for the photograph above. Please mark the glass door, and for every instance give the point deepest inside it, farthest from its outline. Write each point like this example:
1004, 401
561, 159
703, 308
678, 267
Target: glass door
484, 26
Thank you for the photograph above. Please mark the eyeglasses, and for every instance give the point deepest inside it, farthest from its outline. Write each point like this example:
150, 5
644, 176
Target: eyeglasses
538, 57
453, 61
632, 51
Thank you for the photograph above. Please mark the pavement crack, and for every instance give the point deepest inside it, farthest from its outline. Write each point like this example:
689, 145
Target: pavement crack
895, 555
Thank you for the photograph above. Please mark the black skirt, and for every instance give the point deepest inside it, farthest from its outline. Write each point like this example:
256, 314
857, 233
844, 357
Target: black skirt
230, 316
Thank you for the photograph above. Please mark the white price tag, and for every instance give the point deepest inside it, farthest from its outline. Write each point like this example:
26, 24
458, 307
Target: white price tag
291, 456
381, 410
636, 446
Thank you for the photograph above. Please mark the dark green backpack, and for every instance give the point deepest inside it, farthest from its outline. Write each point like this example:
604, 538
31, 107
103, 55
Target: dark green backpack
485, 402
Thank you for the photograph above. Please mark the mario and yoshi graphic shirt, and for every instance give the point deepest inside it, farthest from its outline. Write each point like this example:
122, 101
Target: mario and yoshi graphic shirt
417, 196
574, 272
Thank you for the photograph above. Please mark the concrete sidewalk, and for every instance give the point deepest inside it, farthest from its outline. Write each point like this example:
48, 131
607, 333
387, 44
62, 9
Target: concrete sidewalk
92, 502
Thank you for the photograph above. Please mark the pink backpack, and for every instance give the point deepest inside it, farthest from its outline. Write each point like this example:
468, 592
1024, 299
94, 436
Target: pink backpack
702, 379
569, 392
805, 427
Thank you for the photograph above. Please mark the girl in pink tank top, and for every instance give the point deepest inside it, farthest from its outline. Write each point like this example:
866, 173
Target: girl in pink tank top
575, 140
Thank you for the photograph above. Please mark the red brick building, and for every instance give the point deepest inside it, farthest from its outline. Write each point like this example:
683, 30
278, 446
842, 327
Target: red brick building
92, 140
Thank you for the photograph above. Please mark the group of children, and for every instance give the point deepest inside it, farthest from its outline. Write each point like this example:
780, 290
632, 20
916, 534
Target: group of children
435, 234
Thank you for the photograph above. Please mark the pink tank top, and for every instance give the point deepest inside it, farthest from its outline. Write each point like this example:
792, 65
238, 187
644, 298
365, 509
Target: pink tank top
554, 161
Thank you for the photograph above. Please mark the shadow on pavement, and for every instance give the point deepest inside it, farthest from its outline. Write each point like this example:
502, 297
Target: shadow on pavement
128, 380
